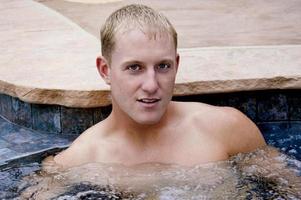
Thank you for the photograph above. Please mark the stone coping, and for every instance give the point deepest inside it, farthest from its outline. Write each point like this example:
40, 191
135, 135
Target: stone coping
47, 59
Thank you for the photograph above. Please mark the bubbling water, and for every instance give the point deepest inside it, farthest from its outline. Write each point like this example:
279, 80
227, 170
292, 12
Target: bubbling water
263, 174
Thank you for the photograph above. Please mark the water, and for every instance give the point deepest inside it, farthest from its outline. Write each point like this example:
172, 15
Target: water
263, 174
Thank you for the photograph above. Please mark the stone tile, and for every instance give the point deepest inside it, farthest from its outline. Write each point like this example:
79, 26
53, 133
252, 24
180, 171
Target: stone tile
274, 127
22, 113
219, 99
46, 118
1, 96
212, 99
6, 153
294, 101
17, 135
56, 140
101, 113
76, 120
272, 107
6, 106
244, 102
3, 143
296, 128
34, 146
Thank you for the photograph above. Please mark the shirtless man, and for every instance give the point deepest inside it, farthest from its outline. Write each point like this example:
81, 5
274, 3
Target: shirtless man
140, 61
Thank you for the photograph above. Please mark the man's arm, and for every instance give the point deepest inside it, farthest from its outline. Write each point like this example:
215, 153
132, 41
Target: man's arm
242, 135
262, 165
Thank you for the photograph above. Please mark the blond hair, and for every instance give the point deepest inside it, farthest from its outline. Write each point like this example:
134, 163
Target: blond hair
134, 16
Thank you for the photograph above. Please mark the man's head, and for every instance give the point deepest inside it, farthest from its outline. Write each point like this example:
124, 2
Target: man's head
139, 62
132, 17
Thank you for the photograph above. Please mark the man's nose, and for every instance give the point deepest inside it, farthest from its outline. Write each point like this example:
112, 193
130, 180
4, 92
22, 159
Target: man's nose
150, 82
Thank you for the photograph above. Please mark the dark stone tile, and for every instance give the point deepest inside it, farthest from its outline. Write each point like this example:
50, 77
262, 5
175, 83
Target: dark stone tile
22, 113
46, 118
56, 140
101, 113
296, 128
20, 135
1, 96
34, 146
3, 143
218, 100
244, 102
6, 153
76, 120
6, 106
272, 107
7, 128
212, 99
274, 127
294, 101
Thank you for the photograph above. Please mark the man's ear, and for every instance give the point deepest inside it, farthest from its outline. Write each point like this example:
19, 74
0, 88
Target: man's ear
103, 69
177, 61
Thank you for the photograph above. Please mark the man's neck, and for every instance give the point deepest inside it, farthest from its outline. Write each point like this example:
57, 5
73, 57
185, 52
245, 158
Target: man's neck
141, 134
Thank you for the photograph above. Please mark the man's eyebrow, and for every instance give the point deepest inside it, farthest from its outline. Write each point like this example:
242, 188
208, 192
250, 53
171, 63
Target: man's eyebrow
132, 62
165, 60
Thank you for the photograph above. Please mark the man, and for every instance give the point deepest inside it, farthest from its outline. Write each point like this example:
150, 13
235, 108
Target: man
140, 61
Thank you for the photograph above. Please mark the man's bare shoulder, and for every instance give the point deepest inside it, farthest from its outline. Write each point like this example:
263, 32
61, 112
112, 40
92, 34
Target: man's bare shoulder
226, 124
82, 149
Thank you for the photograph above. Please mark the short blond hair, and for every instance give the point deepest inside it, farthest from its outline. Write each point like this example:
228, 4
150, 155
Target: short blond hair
133, 16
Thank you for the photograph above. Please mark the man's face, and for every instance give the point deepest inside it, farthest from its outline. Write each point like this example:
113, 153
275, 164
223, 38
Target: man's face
142, 75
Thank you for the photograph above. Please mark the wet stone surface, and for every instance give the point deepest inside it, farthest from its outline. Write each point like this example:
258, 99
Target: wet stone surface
22, 113
294, 101
6, 106
17, 142
76, 121
46, 118
272, 107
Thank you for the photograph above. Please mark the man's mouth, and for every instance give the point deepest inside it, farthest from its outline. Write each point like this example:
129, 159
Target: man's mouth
148, 100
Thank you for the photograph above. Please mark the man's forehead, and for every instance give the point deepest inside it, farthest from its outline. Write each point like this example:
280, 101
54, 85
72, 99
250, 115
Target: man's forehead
152, 33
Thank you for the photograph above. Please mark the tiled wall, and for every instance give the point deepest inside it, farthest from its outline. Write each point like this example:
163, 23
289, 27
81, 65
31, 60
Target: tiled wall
50, 118
277, 113
263, 107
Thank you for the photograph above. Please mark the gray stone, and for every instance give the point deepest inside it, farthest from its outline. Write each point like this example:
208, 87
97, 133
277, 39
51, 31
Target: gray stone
101, 113
76, 120
6, 106
22, 113
3, 143
46, 118
294, 101
6, 153
244, 102
272, 107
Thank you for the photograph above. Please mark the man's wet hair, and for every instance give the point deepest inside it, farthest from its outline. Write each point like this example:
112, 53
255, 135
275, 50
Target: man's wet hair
130, 17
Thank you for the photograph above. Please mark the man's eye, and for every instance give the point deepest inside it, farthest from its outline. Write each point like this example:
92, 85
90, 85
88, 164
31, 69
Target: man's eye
134, 67
163, 66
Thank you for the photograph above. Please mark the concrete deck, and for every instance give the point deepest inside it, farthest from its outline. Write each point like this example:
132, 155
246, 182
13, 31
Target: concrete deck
225, 46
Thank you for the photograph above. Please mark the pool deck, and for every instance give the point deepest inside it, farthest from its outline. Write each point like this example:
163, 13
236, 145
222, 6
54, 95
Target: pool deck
48, 55
49, 59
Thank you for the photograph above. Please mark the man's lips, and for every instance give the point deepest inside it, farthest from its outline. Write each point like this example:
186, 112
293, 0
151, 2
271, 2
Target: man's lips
148, 100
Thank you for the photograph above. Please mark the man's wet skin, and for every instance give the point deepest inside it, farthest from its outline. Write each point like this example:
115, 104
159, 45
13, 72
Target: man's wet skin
145, 126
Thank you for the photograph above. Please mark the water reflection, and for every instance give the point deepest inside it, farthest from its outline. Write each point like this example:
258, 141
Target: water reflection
263, 174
